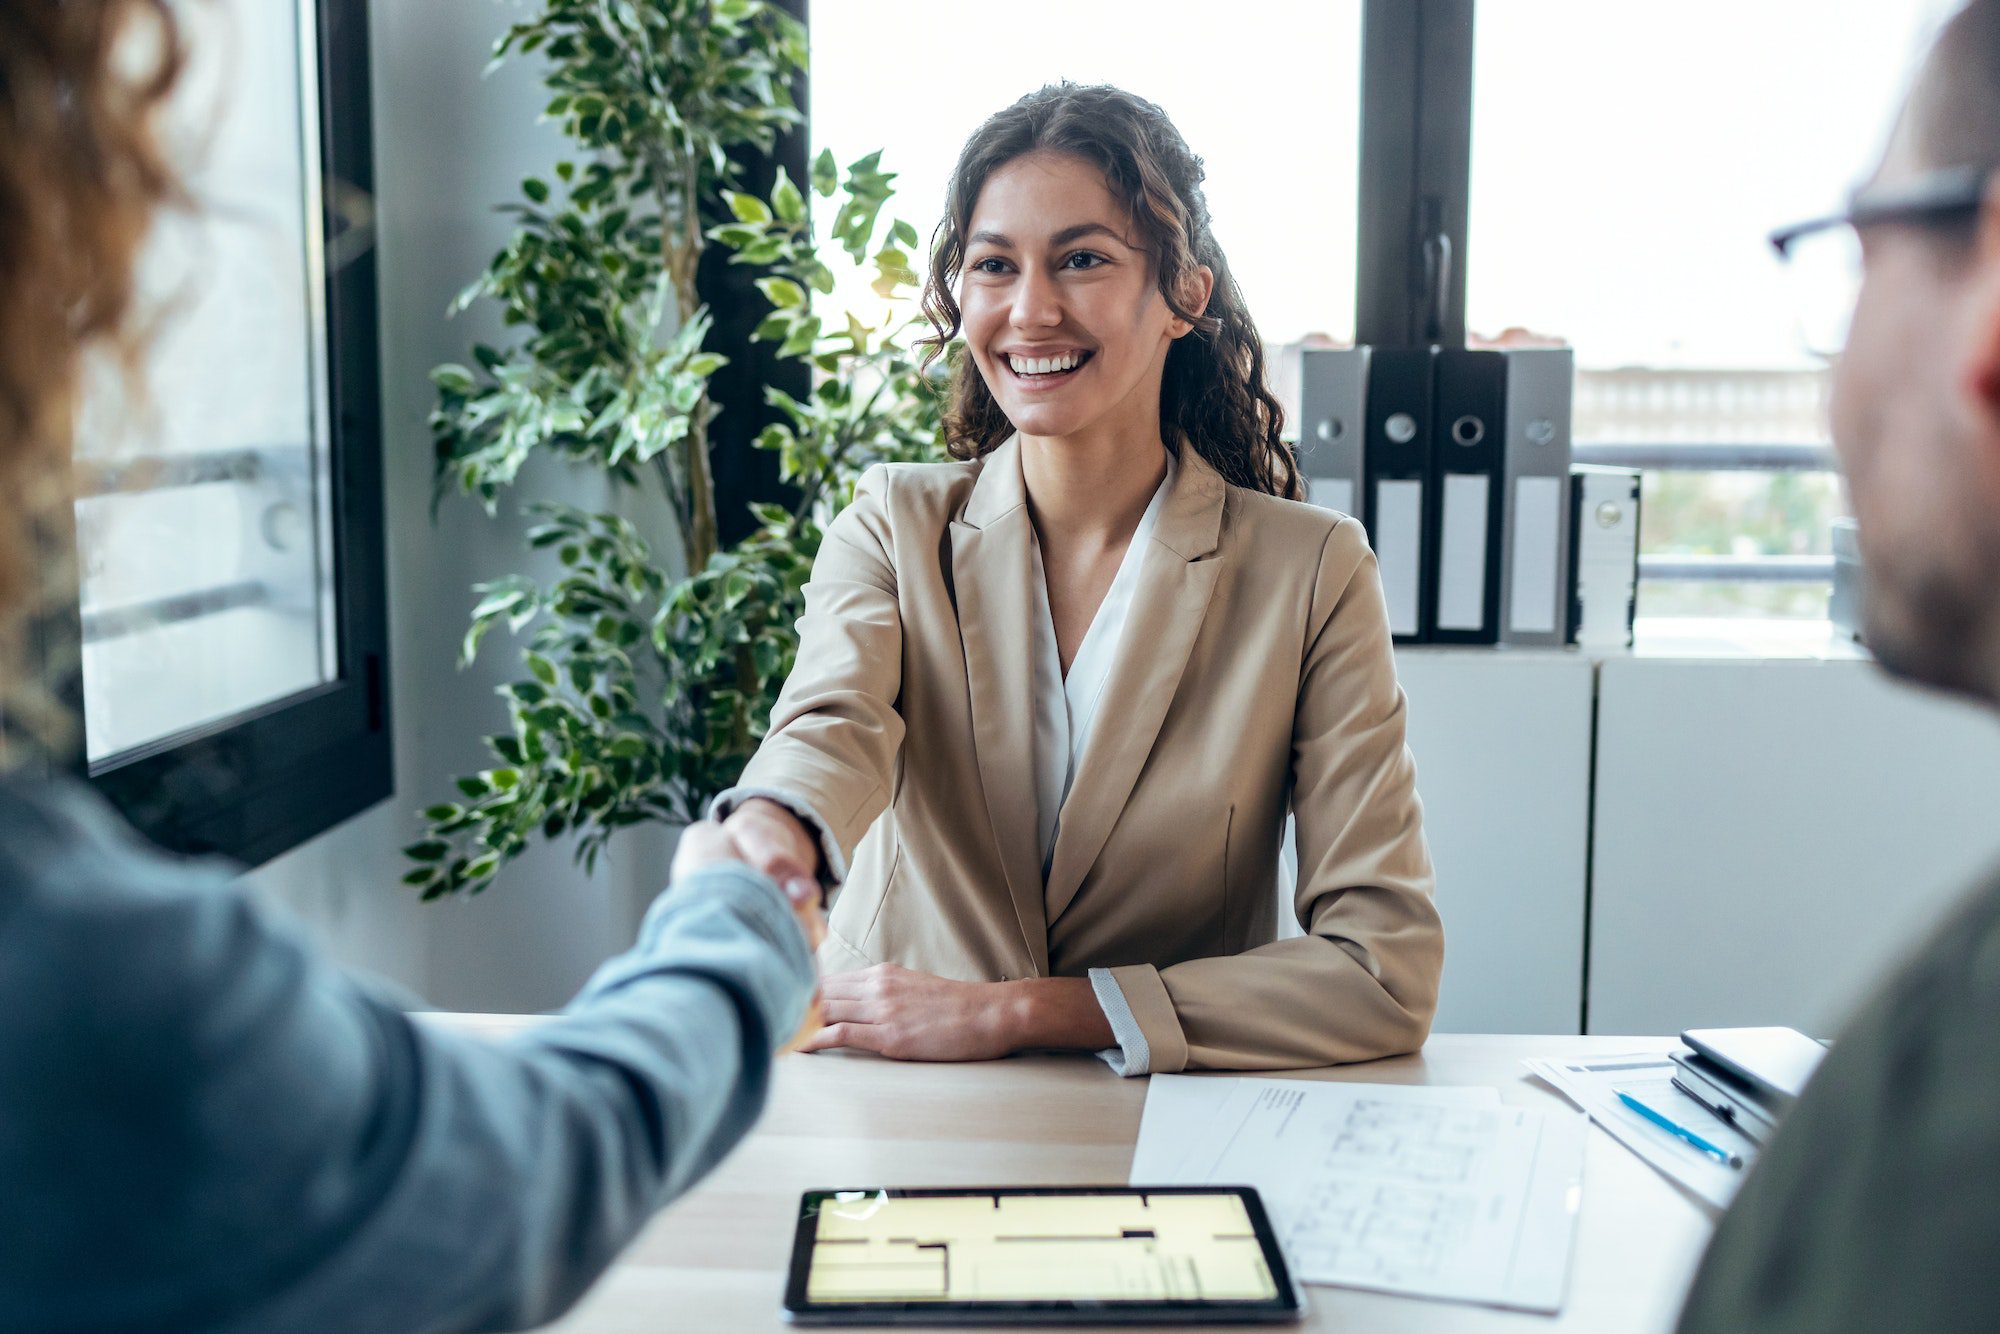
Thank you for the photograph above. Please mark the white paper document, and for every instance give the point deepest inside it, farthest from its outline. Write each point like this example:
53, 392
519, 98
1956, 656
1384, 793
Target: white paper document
1430, 1192
1595, 1084
1179, 1108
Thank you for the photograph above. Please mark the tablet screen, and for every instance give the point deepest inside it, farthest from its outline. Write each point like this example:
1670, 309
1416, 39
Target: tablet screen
1110, 1252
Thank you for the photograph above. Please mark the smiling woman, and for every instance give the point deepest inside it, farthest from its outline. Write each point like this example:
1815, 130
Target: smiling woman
1102, 183
1040, 310
1056, 700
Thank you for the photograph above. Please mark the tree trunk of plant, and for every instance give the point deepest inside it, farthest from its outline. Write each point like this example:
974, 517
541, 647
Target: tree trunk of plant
700, 538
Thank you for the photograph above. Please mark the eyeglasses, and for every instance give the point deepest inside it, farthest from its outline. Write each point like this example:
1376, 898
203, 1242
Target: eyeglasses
1823, 255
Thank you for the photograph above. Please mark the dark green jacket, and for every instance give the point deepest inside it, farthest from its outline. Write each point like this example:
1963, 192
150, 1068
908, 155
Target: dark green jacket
1877, 1207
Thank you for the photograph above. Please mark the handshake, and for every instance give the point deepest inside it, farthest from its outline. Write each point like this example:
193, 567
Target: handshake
771, 840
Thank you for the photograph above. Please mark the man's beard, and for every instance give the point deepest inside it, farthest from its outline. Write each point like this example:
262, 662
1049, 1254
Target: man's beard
1935, 632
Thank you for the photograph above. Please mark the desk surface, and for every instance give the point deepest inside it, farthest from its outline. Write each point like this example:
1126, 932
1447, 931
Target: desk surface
715, 1260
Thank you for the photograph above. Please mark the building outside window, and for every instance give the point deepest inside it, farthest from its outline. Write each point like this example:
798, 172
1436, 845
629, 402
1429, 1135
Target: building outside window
1626, 166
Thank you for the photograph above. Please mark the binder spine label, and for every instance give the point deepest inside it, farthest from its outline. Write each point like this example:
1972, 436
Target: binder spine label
1399, 545
1536, 579
1462, 553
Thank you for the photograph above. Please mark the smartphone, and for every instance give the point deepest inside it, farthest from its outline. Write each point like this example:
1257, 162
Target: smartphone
1724, 1094
1774, 1062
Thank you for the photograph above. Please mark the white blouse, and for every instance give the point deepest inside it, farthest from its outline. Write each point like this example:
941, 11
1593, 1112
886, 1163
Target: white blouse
1065, 707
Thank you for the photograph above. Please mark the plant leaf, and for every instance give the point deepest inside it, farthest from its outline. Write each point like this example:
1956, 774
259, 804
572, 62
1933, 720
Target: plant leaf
746, 207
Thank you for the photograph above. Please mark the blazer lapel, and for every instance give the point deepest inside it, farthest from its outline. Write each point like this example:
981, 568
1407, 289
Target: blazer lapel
991, 570
1175, 584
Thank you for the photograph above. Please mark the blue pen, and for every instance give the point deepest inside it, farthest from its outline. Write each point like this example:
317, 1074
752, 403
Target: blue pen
1720, 1154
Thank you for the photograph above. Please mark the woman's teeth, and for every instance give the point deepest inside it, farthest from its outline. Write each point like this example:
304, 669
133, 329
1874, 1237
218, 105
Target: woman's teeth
1068, 361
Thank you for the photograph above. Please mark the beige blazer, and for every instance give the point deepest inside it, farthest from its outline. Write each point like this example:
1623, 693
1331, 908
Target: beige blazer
1255, 676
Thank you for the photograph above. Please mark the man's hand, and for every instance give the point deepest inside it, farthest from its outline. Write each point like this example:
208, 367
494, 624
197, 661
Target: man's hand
914, 1016
776, 842
707, 843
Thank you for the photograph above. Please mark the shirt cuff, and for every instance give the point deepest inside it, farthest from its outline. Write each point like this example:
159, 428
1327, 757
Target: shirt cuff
1131, 1057
829, 846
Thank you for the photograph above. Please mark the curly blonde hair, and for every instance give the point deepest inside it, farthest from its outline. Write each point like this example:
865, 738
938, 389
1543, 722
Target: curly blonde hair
82, 171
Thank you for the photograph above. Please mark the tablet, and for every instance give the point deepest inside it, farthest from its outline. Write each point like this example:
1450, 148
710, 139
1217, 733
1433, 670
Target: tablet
1774, 1062
1080, 1255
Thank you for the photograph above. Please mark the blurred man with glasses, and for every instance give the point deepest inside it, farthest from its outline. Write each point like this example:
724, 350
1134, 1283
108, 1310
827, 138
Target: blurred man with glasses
1877, 1207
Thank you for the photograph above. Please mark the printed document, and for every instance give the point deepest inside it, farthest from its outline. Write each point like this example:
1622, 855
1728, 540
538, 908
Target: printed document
1429, 1192
1595, 1084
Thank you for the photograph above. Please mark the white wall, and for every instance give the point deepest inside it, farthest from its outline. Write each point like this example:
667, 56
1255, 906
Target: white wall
450, 144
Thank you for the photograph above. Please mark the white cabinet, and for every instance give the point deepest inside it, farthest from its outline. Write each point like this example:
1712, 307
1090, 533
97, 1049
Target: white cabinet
1771, 834
1502, 742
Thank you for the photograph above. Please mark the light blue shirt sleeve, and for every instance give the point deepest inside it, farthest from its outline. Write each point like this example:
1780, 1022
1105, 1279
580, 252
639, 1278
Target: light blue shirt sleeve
203, 1124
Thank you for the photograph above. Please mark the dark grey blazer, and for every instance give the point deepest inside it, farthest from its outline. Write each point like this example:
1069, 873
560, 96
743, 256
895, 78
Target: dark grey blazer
204, 1125
1877, 1207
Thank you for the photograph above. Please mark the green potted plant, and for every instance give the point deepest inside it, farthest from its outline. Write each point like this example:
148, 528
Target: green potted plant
647, 688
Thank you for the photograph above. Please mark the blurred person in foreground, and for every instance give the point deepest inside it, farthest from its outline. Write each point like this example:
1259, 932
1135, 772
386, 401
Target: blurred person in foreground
203, 1124
1877, 1207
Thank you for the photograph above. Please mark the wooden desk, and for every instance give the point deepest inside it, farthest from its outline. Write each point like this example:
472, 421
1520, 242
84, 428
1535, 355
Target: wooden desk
715, 1261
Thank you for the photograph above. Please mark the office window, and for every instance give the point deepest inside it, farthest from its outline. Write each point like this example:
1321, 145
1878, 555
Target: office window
1627, 162
206, 558
1269, 97
230, 623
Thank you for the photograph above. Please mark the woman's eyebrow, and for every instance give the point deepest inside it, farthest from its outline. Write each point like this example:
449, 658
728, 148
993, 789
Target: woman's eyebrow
1061, 238
1083, 229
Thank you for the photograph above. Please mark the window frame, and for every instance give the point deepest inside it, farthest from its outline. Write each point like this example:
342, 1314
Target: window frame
741, 472
259, 783
1416, 171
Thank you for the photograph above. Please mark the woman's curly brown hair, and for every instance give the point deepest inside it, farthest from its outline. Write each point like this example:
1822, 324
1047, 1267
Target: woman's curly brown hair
1213, 397
81, 173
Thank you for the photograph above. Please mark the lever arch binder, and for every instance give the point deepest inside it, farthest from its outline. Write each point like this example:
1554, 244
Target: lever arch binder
1463, 528
1333, 397
1535, 469
1604, 555
1396, 461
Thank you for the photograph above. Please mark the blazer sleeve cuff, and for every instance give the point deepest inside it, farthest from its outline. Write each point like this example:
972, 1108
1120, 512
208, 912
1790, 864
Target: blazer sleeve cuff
1142, 1018
829, 846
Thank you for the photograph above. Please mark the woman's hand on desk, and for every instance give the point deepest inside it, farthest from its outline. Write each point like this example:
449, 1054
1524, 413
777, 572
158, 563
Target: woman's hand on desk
912, 1016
